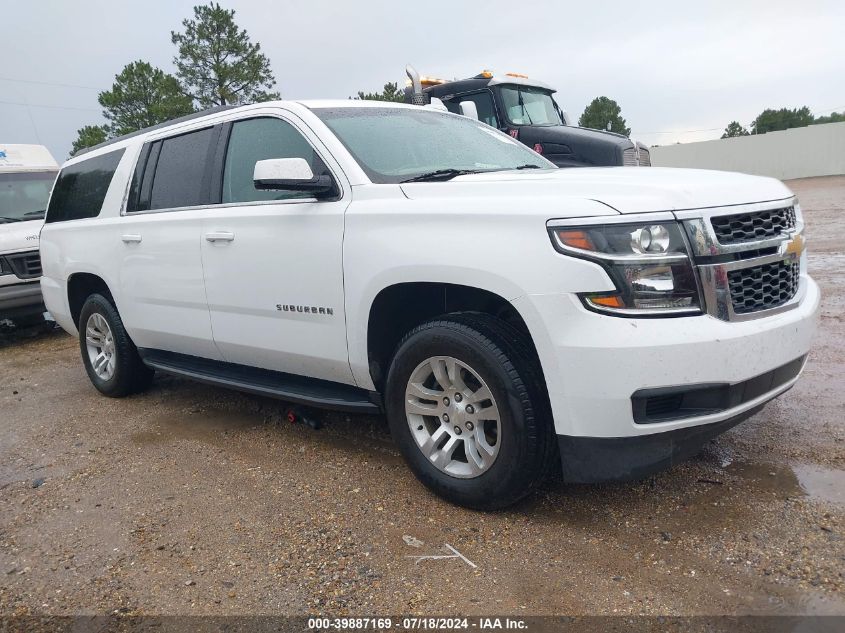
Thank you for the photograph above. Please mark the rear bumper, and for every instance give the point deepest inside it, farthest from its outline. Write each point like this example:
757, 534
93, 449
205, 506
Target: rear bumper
20, 300
55, 298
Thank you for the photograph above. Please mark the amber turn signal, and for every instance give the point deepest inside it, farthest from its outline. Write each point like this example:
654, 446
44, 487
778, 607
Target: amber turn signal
608, 302
575, 238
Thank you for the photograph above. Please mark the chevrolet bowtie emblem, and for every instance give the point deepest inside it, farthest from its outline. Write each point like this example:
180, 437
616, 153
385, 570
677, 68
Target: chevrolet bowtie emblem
795, 246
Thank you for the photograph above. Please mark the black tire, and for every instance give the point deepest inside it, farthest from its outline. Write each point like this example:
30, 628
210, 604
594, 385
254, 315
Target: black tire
505, 360
131, 375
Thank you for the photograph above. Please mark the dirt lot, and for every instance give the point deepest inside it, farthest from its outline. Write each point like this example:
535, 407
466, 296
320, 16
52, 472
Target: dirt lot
194, 500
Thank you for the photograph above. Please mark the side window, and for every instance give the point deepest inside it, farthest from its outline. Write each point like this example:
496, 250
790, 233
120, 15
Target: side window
81, 188
484, 103
180, 171
259, 139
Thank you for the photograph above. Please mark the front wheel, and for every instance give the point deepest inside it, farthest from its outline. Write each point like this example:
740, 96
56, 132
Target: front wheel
467, 405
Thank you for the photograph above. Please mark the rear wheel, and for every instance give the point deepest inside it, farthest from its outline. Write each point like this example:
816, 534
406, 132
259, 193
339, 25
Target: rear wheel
467, 405
109, 355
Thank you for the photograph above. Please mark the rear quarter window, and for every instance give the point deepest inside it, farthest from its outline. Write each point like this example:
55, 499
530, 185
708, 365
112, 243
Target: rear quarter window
181, 170
81, 188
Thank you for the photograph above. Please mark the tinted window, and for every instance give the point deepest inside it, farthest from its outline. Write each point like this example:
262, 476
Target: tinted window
81, 188
484, 104
259, 139
394, 144
180, 172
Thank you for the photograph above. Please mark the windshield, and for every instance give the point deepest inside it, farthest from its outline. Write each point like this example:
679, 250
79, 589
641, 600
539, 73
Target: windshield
530, 106
396, 144
23, 195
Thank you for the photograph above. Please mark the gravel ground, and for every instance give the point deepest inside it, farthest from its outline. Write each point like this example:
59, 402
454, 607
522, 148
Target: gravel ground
194, 500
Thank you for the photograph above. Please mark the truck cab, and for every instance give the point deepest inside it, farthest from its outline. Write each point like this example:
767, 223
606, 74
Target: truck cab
526, 109
27, 174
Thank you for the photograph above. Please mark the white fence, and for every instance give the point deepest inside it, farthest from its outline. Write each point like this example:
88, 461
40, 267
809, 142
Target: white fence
815, 150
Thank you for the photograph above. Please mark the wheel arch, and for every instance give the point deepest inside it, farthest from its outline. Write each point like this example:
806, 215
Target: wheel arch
82, 285
398, 308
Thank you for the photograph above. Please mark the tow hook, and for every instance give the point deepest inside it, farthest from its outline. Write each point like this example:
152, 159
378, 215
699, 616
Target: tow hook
296, 415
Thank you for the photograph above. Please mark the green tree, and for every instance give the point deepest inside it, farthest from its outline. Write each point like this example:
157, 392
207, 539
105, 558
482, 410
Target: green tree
89, 136
142, 96
773, 120
833, 117
217, 63
734, 129
602, 111
391, 92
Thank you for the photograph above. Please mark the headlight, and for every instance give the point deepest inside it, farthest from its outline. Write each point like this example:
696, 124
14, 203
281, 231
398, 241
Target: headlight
648, 262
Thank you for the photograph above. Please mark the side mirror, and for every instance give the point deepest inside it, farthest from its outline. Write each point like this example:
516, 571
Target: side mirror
468, 108
436, 104
293, 174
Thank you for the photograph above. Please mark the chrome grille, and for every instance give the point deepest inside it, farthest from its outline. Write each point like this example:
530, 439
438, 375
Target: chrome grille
748, 258
25, 265
629, 157
763, 287
750, 227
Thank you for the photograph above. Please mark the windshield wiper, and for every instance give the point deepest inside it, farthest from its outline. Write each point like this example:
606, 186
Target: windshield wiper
521, 103
529, 166
441, 174
10, 219
36, 215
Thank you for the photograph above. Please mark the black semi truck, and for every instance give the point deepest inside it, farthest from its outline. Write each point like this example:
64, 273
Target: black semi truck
526, 110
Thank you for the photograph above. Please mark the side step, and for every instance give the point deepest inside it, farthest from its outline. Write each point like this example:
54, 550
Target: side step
264, 382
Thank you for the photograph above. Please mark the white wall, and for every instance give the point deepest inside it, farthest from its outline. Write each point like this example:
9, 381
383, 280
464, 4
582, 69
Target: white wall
815, 150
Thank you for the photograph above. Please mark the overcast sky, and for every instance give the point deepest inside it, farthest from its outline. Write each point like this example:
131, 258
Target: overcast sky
681, 71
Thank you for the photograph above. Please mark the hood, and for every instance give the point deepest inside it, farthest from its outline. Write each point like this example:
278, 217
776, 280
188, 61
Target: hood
569, 146
625, 189
19, 236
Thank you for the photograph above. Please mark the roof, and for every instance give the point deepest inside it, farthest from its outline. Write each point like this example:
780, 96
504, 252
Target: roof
312, 104
181, 119
472, 84
324, 103
18, 157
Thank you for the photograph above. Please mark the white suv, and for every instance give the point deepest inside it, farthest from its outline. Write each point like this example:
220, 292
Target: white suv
506, 315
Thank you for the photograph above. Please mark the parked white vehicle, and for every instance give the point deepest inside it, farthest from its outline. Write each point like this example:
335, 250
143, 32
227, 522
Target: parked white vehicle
381, 257
27, 173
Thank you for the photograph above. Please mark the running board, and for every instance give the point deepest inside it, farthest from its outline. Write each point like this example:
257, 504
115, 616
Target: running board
264, 382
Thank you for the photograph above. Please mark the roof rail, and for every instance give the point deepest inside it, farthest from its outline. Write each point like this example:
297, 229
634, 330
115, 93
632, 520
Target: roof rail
181, 119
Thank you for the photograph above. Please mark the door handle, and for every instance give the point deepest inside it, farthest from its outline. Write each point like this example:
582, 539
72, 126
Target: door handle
131, 239
220, 236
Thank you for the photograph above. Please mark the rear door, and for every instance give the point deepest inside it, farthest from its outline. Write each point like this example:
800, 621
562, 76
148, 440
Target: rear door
273, 259
162, 285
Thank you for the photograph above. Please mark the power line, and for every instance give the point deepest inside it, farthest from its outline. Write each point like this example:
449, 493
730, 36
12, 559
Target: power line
39, 105
709, 129
47, 83
828, 110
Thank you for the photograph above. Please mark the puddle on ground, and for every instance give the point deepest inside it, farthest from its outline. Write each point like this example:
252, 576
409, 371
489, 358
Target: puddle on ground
816, 482
827, 484
205, 426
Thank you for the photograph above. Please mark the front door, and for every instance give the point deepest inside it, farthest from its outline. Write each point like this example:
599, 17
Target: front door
273, 260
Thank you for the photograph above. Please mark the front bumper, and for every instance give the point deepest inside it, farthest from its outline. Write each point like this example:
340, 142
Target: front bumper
21, 300
594, 364
603, 459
